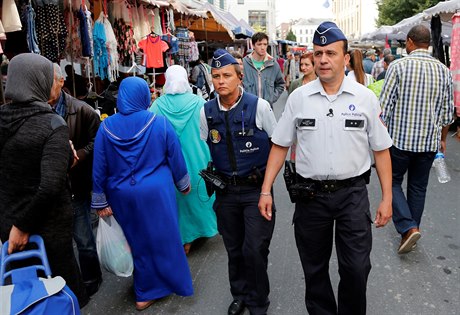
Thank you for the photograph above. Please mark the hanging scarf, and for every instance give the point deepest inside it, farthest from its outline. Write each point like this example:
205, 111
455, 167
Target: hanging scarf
31, 34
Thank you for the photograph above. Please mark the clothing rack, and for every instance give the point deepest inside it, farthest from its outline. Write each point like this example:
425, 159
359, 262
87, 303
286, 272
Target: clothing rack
135, 66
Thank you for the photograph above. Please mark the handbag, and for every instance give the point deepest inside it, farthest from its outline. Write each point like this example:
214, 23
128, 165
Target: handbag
113, 248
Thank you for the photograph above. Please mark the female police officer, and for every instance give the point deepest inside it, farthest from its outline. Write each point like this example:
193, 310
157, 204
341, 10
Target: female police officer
236, 126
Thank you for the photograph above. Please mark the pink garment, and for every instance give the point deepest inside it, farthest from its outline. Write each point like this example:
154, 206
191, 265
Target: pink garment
455, 59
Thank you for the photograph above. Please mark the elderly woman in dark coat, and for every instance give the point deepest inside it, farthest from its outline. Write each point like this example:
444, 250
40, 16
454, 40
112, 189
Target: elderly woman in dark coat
35, 157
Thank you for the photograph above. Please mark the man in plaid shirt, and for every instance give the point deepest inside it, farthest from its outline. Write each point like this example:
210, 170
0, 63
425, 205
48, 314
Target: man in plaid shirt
417, 102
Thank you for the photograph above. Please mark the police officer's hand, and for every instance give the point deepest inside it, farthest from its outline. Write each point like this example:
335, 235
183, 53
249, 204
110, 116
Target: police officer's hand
384, 213
265, 205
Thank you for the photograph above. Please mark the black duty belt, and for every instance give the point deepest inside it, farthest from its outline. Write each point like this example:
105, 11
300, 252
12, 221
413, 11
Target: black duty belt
251, 180
332, 185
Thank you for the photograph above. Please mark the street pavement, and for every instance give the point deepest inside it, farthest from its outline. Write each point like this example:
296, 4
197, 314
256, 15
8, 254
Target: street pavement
425, 281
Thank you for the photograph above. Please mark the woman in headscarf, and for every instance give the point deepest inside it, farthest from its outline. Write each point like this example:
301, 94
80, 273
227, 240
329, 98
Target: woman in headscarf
138, 164
182, 108
35, 157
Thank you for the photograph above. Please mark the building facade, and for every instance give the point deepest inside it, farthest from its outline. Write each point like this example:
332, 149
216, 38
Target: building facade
218, 3
260, 14
304, 29
355, 17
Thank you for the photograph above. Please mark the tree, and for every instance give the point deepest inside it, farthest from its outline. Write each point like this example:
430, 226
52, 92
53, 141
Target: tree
393, 11
290, 36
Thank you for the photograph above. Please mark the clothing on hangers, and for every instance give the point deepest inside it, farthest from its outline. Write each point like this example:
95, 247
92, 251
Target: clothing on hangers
153, 48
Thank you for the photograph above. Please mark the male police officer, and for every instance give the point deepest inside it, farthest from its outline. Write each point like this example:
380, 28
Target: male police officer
336, 122
237, 126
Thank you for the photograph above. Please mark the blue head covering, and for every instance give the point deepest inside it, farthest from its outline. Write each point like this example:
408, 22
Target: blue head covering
222, 58
133, 96
133, 116
327, 33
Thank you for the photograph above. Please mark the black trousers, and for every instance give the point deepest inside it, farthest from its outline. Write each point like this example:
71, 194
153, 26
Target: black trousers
246, 236
314, 219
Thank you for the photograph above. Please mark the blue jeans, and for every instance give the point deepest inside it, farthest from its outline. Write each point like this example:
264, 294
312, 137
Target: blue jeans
407, 212
84, 238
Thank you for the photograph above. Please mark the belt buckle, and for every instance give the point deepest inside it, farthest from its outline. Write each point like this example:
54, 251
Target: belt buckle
329, 186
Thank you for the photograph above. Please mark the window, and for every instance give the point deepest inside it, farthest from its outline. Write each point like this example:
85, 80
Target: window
300, 31
258, 18
240, 1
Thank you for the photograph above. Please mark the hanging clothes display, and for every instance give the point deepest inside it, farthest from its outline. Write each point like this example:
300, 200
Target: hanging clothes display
111, 44
438, 47
124, 34
51, 31
32, 41
2, 35
100, 60
153, 48
194, 53
455, 58
73, 48
184, 46
84, 33
10, 16
143, 21
2, 31
157, 22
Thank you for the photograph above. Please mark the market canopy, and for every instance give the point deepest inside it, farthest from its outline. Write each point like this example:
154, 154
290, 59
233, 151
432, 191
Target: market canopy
217, 25
443, 8
399, 30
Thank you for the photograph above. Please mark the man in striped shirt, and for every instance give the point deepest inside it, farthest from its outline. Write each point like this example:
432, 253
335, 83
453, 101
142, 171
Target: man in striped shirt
417, 107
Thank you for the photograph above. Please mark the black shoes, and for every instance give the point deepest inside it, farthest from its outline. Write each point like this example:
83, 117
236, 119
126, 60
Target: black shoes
236, 307
92, 286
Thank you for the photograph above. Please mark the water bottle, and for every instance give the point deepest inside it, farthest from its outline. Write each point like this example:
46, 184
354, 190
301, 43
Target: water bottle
441, 168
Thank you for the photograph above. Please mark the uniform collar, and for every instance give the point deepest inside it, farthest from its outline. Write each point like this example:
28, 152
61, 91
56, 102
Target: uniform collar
346, 87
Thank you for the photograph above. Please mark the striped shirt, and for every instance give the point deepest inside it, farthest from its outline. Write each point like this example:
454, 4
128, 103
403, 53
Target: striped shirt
417, 101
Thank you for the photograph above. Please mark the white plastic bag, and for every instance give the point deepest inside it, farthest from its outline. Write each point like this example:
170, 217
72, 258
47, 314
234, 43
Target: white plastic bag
112, 248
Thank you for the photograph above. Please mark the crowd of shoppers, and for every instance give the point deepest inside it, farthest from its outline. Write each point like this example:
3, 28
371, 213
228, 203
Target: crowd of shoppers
141, 165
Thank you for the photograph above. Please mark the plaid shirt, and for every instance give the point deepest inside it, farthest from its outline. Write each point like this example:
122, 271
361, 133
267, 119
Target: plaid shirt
377, 68
417, 101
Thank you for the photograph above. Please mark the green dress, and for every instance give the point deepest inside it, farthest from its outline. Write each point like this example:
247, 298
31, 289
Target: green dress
196, 215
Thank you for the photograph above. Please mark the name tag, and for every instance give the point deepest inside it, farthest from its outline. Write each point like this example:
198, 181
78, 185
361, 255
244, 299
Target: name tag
354, 123
246, 133
307, 122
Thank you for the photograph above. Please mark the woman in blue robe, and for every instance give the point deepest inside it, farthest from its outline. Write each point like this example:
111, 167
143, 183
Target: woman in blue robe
138, 164
182, 108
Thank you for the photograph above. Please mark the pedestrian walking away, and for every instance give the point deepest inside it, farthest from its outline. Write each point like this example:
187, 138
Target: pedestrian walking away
237, 126
35, 157
138, 165
83, 123
182, 108
418, 107
336, 122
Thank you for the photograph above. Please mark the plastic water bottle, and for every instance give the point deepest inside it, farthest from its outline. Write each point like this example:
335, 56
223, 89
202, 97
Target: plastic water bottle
441, 168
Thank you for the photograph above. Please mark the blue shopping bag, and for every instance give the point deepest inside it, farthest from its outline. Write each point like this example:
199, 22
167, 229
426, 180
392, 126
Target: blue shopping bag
30, 294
